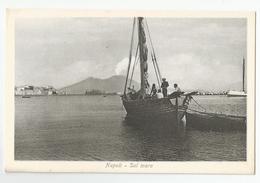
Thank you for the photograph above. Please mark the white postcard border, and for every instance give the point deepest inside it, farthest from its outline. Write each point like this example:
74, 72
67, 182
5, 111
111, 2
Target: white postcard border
212, 167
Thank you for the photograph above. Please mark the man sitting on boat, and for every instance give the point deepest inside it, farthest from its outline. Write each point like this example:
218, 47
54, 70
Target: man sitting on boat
153, 91
176, 92
159, 94
164, 87
132, 93
176, 88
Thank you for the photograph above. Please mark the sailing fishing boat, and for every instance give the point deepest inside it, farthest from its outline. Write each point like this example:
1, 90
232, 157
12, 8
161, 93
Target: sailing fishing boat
239, 93
142, 104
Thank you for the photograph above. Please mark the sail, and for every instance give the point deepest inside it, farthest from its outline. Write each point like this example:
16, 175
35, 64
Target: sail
143, 56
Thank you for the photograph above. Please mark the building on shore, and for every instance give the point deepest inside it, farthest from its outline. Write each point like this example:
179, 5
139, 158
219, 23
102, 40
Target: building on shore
35, 90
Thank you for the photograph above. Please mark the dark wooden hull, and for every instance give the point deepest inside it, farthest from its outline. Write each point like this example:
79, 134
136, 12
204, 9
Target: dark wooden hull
215, 122
155, 109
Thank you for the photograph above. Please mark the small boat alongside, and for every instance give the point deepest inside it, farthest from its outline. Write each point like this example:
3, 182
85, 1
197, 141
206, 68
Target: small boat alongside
214, 121
203, 120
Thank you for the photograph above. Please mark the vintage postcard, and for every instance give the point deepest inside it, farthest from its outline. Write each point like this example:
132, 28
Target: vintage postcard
130, 91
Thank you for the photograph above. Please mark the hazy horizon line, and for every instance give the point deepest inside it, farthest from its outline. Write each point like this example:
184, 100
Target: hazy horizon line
120, 75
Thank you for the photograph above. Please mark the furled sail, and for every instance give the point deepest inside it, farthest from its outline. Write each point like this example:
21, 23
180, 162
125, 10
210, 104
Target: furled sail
143, 57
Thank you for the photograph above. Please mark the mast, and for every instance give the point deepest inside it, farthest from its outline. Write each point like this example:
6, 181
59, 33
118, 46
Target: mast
243, 79
143, 56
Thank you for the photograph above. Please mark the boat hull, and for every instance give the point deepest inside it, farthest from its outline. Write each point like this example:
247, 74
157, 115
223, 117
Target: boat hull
215, 122
155, 109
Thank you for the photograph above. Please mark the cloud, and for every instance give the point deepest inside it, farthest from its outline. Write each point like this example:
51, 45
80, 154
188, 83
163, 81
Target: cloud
193, 71
195, 53
121, 67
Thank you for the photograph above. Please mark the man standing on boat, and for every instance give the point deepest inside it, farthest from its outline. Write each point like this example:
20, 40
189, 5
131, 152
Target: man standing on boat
164, 87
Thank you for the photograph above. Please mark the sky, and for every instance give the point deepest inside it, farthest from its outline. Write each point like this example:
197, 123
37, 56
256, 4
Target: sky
197, 53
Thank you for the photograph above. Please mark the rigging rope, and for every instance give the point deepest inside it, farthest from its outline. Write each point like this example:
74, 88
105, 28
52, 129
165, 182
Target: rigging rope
159, 73
153, 57
198, 104
158, 80
136, 60
153, 52
130, 55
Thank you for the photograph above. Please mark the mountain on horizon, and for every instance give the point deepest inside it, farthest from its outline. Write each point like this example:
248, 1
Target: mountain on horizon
116, 84
112, 84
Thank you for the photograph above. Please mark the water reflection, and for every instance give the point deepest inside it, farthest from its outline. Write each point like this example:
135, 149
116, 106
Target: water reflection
165, 141
83, 128
154, 140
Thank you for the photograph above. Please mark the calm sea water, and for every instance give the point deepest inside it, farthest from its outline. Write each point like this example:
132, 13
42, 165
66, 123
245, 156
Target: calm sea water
93, 128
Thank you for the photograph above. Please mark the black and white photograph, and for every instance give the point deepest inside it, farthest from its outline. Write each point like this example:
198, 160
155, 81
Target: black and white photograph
132, 90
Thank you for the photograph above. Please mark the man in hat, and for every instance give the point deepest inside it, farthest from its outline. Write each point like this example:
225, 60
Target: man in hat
164, 87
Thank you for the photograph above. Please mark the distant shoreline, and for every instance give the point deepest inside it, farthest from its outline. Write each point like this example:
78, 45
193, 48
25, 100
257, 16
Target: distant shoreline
103, 95
67, 95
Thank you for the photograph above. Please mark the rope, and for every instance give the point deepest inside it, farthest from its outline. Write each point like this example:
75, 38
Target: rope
155, 60
136, 60
155, 64
213, 114
130, 56
198, 104
158, 80
149, 35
